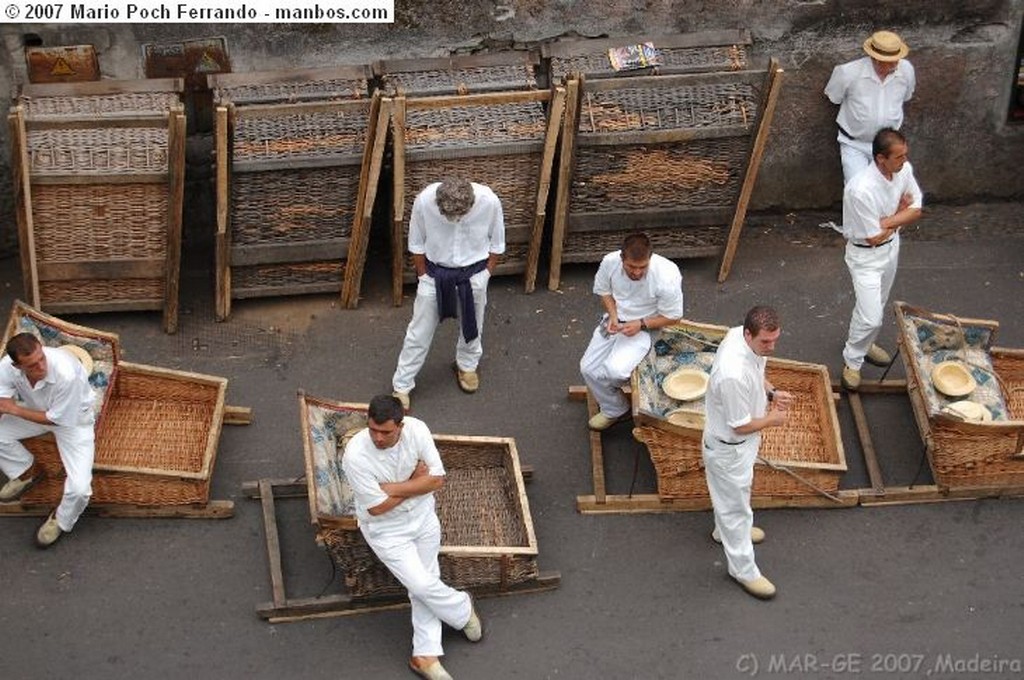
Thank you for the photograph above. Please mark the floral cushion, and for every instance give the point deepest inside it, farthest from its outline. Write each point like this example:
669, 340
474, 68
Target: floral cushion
675, 347
101, 351
327, 430
931, 342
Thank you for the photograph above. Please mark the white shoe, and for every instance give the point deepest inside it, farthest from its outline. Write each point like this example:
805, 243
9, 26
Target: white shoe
402, 397
435, 671
15, 488
756, 535
474, 628
878, 356
49, 533
600, 422
760, 587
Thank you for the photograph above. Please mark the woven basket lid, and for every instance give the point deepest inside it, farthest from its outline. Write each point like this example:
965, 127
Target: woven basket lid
953, 379
686, 418
685, 384
81, 354
969, 410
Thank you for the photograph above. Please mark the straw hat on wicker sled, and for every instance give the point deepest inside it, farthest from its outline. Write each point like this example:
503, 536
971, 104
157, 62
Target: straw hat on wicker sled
968, 410
81, 354
953, 379
685, 384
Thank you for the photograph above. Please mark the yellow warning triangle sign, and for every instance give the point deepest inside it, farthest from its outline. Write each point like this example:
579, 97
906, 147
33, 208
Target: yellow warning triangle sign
207, 64
62, 68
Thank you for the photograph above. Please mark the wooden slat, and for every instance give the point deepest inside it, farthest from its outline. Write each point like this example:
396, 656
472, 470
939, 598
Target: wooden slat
339, 160
108, 120
211, 510
175, 200
387, 67
245, 292
754, 77
237, 415
273, 543
369, 179
287, 76
253, 111
644, 219
275, 253
930, 493
136, 305
482, 99
774, 81
555, 111
652, 503
101, 87
398, 106
566, 163
49, 178
596, 453
222, 239
473, 151
876, 387
22, 189
148, 268
599, 139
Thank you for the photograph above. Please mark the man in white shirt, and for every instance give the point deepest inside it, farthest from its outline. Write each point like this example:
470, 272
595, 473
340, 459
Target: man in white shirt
54, 394
456, 235
736, 412
641, 292
870, 92
880, 200
393, 469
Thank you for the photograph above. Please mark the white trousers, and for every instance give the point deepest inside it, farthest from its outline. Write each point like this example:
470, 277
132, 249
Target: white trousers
873, 271
420, 332
607, 365
77, 450
410, 553
730, 473
855, 156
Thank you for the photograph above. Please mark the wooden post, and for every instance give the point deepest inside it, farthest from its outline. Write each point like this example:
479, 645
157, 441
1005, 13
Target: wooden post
222, 242
398, 199
369, 176
565, 165
175, 198
772, 82
22, 185
555, 110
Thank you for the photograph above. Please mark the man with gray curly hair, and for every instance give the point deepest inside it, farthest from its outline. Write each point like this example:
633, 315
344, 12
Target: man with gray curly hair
456, 235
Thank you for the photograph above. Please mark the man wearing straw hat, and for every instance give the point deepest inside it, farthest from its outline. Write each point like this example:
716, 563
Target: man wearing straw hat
641, 292
740, 403
456, 235
54, 394
870, 92
877, 203
393, 469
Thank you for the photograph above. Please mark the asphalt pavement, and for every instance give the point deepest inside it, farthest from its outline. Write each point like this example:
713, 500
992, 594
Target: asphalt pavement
907, 591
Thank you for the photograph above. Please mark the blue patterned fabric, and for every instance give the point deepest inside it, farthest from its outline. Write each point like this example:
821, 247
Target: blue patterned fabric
327, 432
681, 345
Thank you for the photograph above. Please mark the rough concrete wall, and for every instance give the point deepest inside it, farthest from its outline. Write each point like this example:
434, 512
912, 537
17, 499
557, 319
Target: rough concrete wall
964, 54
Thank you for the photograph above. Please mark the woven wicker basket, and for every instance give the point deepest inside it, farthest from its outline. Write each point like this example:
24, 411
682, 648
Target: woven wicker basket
965, 454
809, 443
487, 533
156, 431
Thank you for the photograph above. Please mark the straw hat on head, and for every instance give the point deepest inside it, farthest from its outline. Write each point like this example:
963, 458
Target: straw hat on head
685, 384
81, 354
953, 379
886, 46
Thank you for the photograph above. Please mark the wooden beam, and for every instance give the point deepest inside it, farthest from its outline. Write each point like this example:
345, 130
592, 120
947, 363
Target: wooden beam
930, 493
211, 510
481, 99
136, 305
639, 137
876, 387
83, 180
108, 120
596, 454
866, 444
773, 83
536, 238
148, 268
681, 218
398, 198
338, 160
653, 503
237, 415
175, 209
290, 76
100, 87
273, 543
247, 292
565, 171
20, 170
222, 237
289, 253
475, 151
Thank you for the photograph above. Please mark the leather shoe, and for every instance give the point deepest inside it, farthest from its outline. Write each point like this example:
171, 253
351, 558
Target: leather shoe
760, 587
850, 379
49, 533
877, 356
469, 381
15, 488
756, 535
600, 422
433, 671
402, 397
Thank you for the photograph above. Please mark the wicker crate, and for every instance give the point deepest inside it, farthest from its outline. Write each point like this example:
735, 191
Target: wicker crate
965, 454
99, 178
294, 207
504, 140
156, 431
487, 533
809, 444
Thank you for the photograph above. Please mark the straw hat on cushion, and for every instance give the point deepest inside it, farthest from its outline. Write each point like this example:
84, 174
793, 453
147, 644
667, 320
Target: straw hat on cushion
885, 46
83, 356
953, 379
969, 410
685, 384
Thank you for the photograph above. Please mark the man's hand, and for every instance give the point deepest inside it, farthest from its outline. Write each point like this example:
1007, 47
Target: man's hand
7, 405
782, 399
776, 416
905, 201
420, 471
631, 328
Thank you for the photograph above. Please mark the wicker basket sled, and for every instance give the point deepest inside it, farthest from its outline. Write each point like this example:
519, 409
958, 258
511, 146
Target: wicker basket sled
963, 454
808, 445
488, 541
156, 430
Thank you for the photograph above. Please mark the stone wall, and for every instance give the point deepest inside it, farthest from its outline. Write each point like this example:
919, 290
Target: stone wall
964, 54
